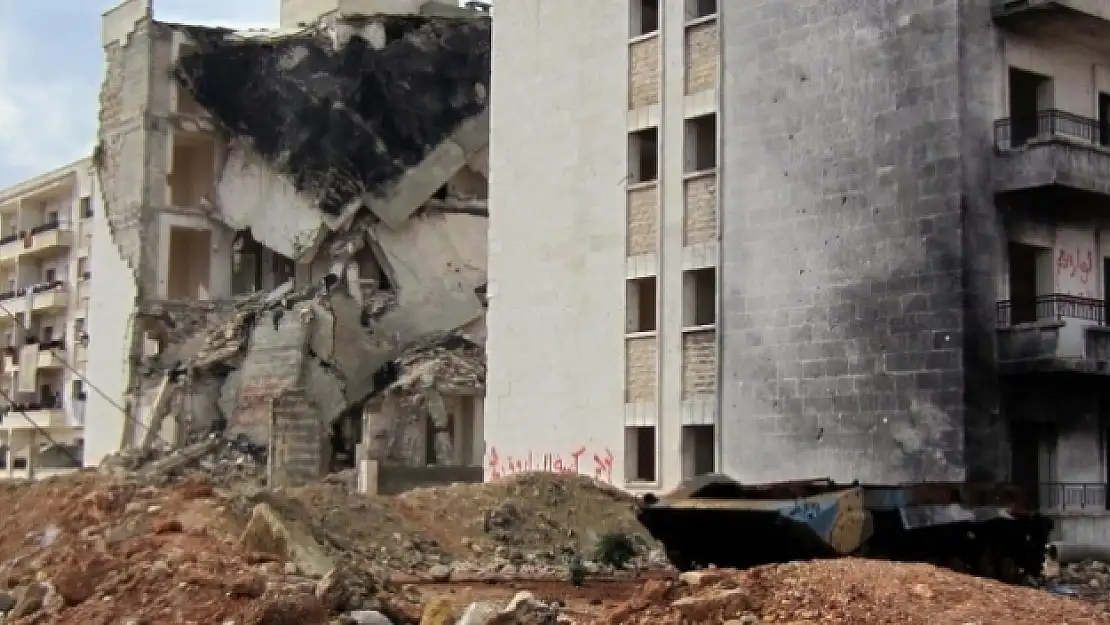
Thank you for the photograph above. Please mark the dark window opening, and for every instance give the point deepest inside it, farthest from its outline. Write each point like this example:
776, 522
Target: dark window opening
641, 303
641, 442
700, 307
643, 147
701, 143
1023, 283
1030, 93
645, 17
700, 8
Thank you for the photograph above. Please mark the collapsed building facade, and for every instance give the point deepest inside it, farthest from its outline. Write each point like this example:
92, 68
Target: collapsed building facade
297, 219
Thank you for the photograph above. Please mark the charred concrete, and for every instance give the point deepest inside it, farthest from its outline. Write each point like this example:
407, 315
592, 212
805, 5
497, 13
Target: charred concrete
343, 119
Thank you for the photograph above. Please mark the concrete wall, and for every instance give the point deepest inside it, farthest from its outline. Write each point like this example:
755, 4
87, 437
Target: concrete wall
847, 337
557, 235
394, 480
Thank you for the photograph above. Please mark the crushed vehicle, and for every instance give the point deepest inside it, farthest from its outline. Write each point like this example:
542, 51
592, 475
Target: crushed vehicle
985, 529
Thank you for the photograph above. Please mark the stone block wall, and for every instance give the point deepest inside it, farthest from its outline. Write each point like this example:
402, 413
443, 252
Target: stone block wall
643, 219
640, 368
699, 364
702, 54
700, 218
645, 74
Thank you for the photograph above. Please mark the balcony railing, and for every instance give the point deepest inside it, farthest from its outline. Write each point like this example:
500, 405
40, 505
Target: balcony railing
1015, 132
1072, 496
1050, 307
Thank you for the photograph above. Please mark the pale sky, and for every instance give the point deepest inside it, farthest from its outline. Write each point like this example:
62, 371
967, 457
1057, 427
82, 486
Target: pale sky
51, 66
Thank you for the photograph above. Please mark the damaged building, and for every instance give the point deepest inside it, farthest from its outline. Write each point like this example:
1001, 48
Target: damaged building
298, 221
833, 241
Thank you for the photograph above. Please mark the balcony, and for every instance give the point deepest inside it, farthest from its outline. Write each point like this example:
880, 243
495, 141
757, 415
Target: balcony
1083, 21
47, 414
52, 357
1072, 497
10, 248
46, 239
49, 296
1053, 333
1054, 152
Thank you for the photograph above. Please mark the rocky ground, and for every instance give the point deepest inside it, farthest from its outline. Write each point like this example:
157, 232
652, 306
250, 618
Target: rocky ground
164, 541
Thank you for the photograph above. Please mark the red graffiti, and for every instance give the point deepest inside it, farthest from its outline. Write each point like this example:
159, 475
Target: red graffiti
1075, 264
571, 464
603, 467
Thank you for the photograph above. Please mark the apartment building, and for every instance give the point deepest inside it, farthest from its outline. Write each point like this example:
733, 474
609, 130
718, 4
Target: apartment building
888, 224
45, 279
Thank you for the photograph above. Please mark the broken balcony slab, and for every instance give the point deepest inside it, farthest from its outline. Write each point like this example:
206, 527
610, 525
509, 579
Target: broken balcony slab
344, 120
251, 196
396, 202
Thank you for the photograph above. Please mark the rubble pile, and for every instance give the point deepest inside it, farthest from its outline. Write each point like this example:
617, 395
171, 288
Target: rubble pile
845, 591
1088, 580
533, 522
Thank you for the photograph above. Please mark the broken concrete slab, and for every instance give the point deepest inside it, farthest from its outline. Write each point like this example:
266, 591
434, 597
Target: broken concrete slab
268, 532
395, 202
249, 195
344, 119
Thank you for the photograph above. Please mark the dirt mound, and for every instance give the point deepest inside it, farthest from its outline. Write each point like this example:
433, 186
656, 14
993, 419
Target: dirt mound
846, 591
88, 548
530, 512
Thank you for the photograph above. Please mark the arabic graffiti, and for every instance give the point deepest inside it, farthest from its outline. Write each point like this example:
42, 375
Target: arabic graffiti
570, 464
1076, 268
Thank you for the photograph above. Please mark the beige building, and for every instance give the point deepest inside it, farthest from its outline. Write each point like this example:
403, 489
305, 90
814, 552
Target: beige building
45, 280
602, 324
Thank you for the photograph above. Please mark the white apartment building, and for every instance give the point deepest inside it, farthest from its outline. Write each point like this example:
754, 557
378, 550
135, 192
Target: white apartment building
46, 226
602, 322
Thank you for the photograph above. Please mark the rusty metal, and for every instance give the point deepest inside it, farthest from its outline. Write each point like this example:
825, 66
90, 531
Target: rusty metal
714, 519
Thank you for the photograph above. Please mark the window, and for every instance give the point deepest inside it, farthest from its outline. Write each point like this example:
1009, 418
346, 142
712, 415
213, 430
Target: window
645, 17
51, 217
701, 143
640, 454
82, 268
50, 274
698, 450
78, 387
641, 305
47, 333
1030, 94
700, 8
699, 297
643, 155
86, 207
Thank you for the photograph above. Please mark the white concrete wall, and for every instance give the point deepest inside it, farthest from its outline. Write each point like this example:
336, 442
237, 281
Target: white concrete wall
558, 157
111, 308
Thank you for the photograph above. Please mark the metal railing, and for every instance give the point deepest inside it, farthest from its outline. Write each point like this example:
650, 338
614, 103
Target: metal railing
1072, 496
1053, 306
1014, 132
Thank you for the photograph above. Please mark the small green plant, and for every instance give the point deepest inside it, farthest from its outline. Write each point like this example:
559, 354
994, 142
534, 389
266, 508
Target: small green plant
615, 549
576, 571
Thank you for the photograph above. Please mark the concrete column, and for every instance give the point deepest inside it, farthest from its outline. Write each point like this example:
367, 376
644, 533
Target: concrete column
8, 454
32, 453
673, 138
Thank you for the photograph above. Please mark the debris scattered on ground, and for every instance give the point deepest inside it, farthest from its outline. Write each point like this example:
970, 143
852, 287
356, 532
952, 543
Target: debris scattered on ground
1087, 580
847, 590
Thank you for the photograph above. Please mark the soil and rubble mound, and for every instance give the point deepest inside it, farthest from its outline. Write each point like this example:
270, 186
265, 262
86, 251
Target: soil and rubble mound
847, 590
157, 539
534, 518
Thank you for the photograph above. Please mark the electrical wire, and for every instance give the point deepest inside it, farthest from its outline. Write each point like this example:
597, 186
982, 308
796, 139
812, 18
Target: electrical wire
85, 381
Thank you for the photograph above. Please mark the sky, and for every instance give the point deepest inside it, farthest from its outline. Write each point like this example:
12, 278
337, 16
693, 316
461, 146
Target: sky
51, 66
